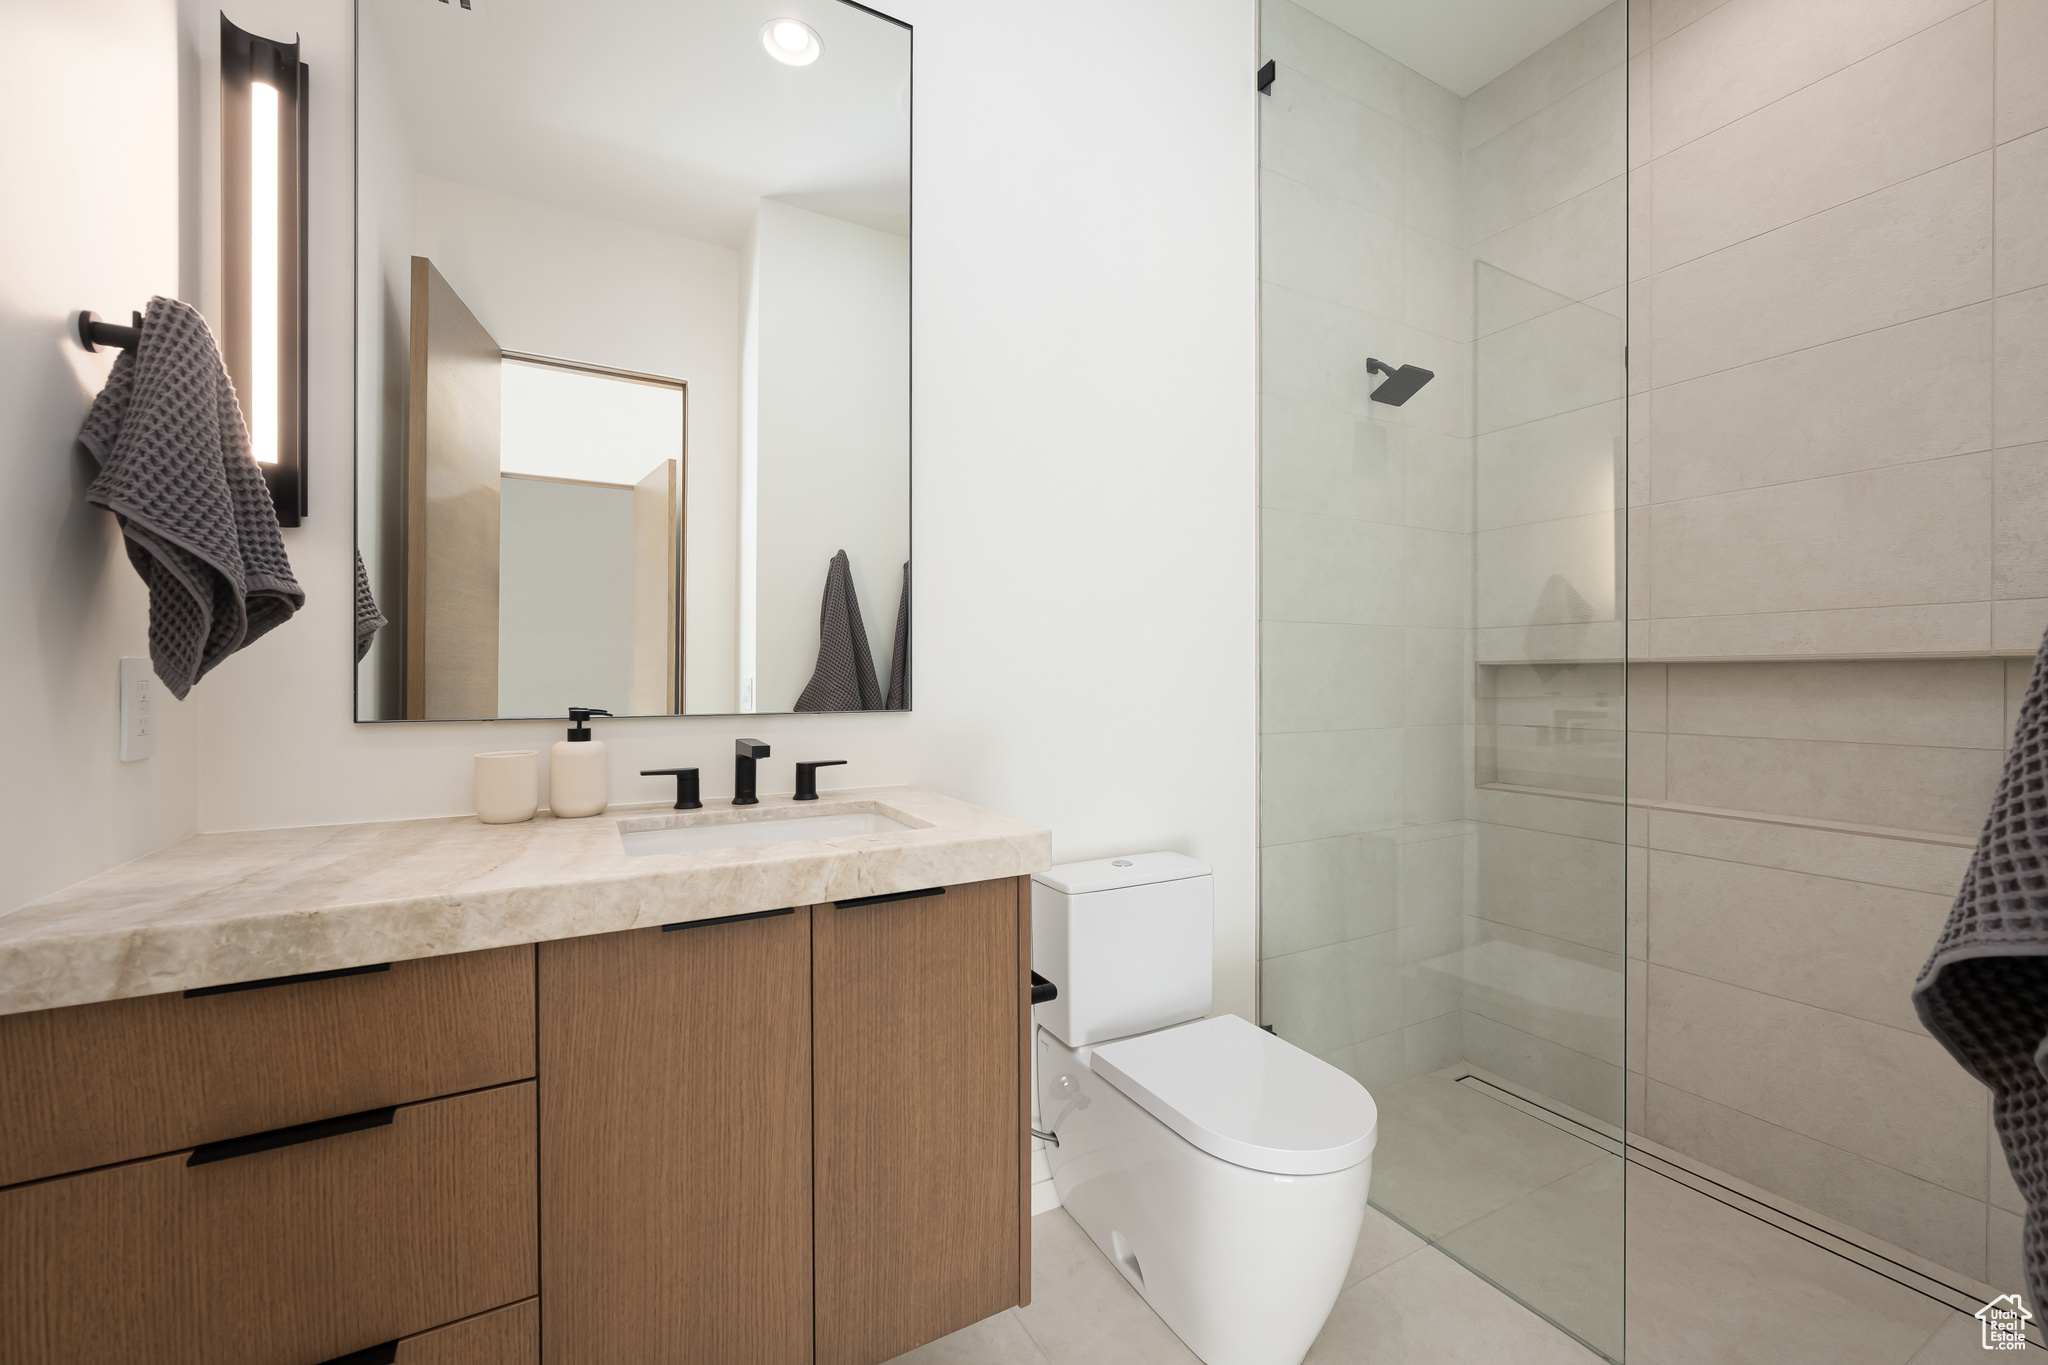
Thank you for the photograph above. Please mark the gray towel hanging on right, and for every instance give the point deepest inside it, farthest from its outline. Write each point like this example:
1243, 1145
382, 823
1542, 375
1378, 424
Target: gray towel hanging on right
1984, 992
899, 663
844, 679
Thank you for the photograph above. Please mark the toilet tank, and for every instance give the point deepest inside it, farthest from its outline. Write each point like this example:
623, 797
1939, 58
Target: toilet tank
1129, 941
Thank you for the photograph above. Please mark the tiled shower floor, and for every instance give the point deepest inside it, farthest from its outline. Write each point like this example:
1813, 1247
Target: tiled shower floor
1710, 1281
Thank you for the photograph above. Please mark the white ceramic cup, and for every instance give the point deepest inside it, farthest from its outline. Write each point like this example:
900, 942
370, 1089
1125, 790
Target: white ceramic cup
507, 786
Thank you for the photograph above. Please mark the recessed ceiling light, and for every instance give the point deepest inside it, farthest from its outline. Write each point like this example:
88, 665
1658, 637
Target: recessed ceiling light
791, 41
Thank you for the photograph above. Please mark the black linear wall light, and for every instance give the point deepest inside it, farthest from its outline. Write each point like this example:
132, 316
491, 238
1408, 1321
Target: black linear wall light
263, 245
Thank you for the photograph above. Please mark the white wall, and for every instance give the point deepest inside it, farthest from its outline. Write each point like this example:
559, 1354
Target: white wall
94, 199
551, 282
832, 451
1084, 477
565, 598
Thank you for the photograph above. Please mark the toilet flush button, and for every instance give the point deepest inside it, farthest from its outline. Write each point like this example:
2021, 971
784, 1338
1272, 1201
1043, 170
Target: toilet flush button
1121, 862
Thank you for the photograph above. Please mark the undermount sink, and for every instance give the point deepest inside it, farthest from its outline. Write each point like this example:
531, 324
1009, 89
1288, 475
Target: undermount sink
747, 833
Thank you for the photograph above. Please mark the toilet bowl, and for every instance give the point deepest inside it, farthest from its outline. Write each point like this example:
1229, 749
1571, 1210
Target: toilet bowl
1222, 1170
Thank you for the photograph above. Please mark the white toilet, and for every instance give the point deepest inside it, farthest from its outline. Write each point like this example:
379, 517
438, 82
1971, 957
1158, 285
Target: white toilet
1221, 1169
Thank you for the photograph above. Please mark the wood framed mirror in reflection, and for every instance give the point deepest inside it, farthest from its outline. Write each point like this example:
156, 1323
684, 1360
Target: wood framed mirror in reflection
632, 358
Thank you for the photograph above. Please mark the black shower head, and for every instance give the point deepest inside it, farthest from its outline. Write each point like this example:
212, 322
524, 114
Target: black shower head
1400, 385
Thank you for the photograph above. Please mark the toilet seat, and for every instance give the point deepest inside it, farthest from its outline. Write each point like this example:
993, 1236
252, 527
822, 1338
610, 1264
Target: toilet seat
1241, 1094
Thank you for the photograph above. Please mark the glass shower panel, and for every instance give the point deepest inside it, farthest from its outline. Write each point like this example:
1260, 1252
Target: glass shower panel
1444, 821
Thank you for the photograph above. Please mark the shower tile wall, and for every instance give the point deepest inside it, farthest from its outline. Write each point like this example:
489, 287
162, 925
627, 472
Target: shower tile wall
1839, 448
1367, 514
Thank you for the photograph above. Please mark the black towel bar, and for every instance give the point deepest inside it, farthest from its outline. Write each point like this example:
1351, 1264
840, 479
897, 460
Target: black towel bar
93, 334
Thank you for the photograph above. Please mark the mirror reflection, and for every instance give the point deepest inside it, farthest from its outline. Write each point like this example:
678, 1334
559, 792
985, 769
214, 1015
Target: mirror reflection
633, 358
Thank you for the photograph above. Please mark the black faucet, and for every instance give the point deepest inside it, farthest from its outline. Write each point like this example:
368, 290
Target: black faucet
686, 785
743, 771
807, 777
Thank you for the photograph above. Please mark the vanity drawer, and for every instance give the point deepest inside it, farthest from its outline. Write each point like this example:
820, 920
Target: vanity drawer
504, 1336
287, 1256
94, 1084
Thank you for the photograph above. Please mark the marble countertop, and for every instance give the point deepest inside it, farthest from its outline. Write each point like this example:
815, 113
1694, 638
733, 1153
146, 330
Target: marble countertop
217, 908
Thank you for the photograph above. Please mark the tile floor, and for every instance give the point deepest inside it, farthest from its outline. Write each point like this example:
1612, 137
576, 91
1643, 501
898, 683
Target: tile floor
1707, 1283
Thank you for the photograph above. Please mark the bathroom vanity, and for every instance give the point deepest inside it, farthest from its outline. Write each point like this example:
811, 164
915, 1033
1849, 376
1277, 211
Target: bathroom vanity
683, 1120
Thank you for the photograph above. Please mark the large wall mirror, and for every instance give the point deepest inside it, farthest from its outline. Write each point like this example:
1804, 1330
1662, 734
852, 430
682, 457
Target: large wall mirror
632, 357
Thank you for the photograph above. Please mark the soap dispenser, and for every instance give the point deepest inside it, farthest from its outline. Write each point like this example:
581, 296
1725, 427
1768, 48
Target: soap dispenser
579, 769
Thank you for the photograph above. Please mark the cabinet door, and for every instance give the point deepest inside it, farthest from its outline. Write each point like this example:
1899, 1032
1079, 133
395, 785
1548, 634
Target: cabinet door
675, 1110
918, 1009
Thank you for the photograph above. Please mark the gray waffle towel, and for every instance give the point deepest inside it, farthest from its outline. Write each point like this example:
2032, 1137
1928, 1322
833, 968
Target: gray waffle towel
1984, 992
175, 469
369, 620
899, 665
844, 679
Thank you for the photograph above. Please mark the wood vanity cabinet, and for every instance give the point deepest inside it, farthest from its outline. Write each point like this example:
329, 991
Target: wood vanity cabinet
799, 1136
793, 1136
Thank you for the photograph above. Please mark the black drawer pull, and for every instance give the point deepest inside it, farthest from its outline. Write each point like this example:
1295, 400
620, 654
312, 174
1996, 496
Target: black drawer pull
729, 919
1042, 990
232, 986
892, 896
369, 1355
287, 1137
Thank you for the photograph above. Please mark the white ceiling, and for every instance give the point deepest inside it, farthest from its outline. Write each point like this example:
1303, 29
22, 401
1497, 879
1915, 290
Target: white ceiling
665, 114
1459, 44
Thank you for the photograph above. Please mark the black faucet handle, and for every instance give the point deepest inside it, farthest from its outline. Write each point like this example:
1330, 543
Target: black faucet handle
750, 748
807, 777
686, 785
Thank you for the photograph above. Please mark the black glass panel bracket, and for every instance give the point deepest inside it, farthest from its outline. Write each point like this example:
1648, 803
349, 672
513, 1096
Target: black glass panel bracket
263, 143
1400, 385
1266, 74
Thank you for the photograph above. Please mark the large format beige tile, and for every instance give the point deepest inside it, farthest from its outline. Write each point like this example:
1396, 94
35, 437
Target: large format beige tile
1563, 361
1901, 112
1896, 786
1666, 17
1326, 891
1915, 248
1897, 395
1439, 682
1436, 769
1912, 865
1592, 1085
1313, 45
1545, 987
1576, 250
1539, 80
1548, 573
1329, 784
1559, 1249
1082, 1310
2004, 1263
1313, 241
1927, 1219
1000, 1340
1843, 946
1957, 703
1331, 462
1436, 578
1553, 884
1449, 1154
1426, 1309
1318, 136
1381, 1242
1894, 1097
1325, 999
1330, 569
2022, 67
1556, 154
1430, 185
1959, 1342
1708, 1285
2020, 410
1557, 467
2023, 213
1906, 535
2018, 624
1746, 54
2005, 1192
1438, 474
1392, 1059
2020, 551
1315, 676
1428, 108
1937, 628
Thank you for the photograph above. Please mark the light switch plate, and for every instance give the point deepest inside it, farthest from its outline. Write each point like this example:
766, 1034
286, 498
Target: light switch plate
138, 710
